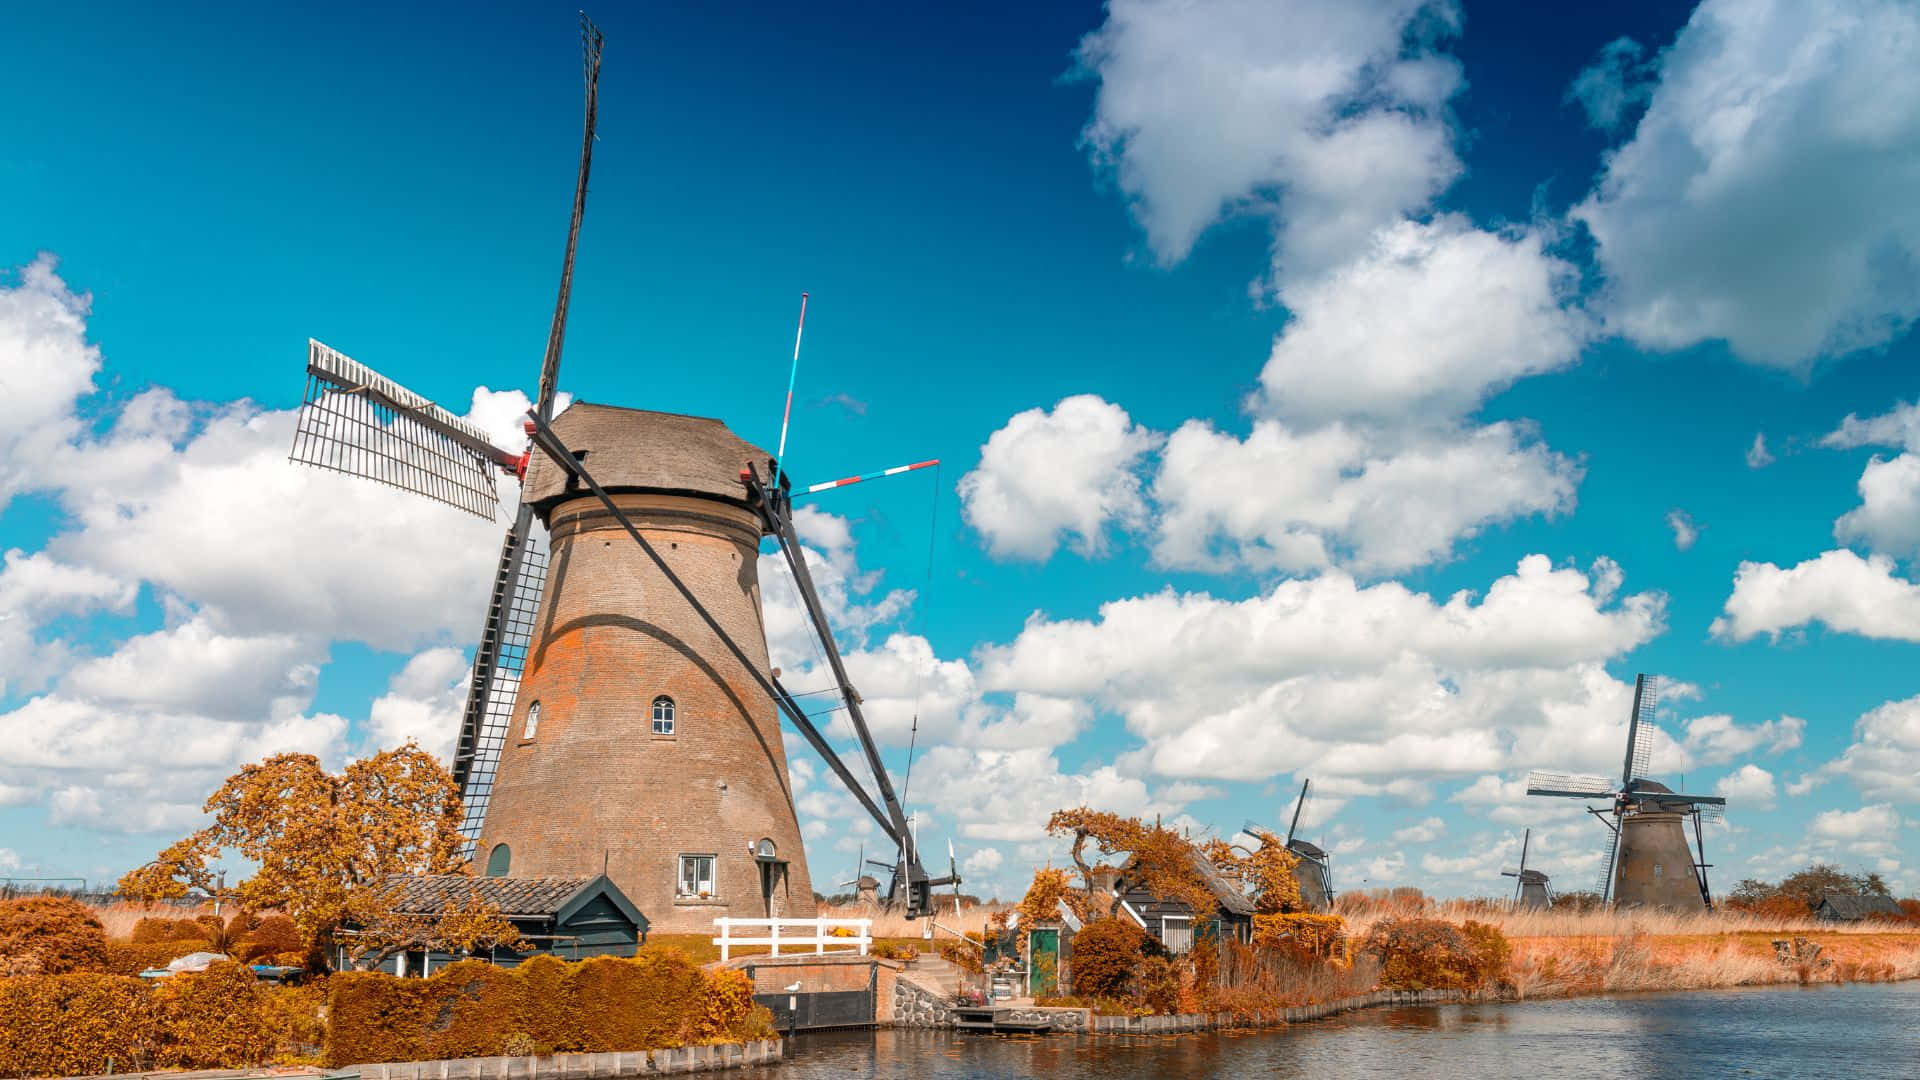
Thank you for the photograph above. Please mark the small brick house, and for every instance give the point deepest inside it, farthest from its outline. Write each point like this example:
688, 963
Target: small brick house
571, 918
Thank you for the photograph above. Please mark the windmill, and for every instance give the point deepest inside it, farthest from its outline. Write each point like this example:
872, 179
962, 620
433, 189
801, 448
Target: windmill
1530, 886
1313, 871
629, 653
1648, 861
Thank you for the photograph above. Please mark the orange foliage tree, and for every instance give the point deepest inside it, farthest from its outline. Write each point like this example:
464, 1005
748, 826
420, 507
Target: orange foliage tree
1050, 887
1267, 870
323, 843
1159, 859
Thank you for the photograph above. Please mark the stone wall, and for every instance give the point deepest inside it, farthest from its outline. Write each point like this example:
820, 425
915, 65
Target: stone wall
679, 1059
916, 1006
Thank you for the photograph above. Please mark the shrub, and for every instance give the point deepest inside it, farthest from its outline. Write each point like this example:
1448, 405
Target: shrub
964, 954
888, 950
273, 936
155, 928
296, 1015
50, 935
1106, 958
75, 1025
1429, 954
1303, 936
217, 1018
657, 999
1159, 985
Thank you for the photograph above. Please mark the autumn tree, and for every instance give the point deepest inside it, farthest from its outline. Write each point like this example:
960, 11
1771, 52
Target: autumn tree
1158, 858
1267, 871
324, 844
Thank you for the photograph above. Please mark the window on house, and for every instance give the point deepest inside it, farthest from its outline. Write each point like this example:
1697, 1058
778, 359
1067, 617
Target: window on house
1176, 933
663, 715
696, 876
532, 726
499, 860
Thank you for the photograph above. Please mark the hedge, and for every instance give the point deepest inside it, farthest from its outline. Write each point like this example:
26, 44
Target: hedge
546, 1005
130, 958
86, 1024
49, 935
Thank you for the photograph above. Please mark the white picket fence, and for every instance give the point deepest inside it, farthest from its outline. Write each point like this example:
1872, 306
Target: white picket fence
795, 933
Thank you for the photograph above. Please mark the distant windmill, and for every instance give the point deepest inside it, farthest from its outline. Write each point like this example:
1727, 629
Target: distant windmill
1313, 871
1530, 886
1648, 862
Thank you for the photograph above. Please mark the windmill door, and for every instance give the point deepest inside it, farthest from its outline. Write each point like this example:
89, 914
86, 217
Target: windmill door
1043, 964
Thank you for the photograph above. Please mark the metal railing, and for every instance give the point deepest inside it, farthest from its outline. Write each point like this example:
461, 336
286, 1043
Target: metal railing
780, 932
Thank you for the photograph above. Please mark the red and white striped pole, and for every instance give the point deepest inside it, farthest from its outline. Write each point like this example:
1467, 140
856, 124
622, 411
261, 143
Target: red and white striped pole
895, 471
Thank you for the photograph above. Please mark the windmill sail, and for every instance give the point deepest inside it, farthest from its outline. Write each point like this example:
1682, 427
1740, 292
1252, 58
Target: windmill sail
497, 667
356, 421
1646, 695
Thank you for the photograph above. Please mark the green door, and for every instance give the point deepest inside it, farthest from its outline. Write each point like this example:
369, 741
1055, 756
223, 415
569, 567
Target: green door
1043, 965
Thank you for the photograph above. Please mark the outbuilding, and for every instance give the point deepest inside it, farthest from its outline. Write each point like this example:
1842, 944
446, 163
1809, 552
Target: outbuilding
1848, 907
571, 918
1174, 923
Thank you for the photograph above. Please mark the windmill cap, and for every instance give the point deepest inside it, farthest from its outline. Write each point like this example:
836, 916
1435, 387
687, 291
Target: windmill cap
636, 450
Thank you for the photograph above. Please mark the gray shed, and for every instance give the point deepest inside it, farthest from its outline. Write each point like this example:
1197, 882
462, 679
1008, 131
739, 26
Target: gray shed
1847, 907
571, 918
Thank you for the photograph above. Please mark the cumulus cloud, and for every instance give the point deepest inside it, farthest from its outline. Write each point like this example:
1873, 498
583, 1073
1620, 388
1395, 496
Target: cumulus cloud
1884, 759
1765, 196
423, 704
1338, 679
1329, 114
1338, 496
1867, 823
1425, 832
1048, 476
1840, 589
1426, 321
1888, 517
1749, 787
1716, 739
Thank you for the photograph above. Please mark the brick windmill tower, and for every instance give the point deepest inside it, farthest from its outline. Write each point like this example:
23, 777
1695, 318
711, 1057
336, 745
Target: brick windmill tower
623, 717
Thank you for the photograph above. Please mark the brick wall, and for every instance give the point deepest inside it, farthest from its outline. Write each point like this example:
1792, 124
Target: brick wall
595, 783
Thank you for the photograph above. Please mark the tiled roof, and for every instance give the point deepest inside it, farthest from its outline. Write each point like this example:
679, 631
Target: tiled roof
1228, 893
430, 893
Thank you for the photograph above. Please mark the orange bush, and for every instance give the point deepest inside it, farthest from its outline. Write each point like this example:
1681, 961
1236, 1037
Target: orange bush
50, 935
154, 928
1107, 956
471, 1009
1304, 936
1158, 985
964, 954
126, 958
1430, 954
217, 1018
272, 936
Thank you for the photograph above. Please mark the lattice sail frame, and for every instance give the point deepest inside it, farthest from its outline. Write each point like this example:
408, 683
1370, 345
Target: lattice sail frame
356, 421
514, 639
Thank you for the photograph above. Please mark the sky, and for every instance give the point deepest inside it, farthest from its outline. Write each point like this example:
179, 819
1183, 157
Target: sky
1355, 390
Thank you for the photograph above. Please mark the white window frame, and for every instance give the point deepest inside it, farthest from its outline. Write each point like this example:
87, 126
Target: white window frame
531, 725
681, 890
669, 720
1166, 932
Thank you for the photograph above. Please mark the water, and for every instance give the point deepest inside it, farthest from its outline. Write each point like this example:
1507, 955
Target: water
1857, 1030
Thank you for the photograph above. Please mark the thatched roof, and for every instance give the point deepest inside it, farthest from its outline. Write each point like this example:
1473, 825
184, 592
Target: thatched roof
1231, 898
630, 450
432, 894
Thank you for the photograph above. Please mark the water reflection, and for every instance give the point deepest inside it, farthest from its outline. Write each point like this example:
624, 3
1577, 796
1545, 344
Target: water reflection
1844, 1031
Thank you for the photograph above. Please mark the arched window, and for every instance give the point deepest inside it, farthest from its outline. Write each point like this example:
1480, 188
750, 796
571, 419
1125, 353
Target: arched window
499, 860
663, 715
532, 726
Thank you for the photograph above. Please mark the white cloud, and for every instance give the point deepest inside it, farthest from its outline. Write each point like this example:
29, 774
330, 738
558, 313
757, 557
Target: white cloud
1888, 517
1047, 476
1425, 832
1749, 787
1615, 83
1867, 823
1329, 113
45, 365
1685, 532
1426, 321
1333, 678
1717, 739
1839, 588
423, 704
1766, 195
1884, 758
1758, 456
1340, 496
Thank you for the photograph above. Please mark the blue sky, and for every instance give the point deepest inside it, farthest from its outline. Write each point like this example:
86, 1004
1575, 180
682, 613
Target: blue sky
1318, 387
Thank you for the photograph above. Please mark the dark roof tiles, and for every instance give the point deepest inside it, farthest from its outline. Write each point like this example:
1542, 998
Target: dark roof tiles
638, 450
432, 893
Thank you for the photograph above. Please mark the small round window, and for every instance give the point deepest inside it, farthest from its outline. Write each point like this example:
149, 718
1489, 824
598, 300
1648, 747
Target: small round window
532, 726
765, 849
663, 715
